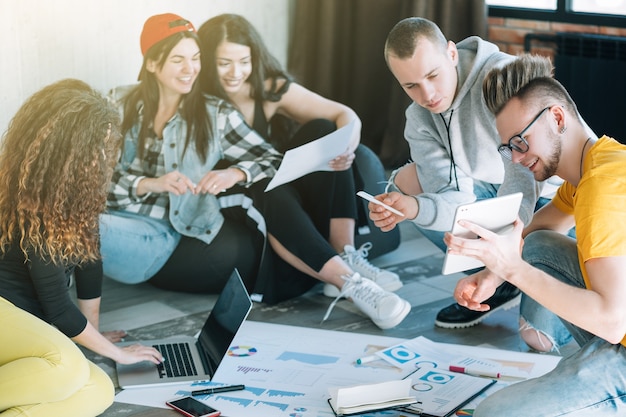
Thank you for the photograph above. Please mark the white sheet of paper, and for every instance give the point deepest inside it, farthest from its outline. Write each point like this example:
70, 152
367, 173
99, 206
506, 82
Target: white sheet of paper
312, 156
421, 351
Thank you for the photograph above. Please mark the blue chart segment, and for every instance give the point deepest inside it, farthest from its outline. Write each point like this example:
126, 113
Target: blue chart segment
308, 358
437, 378
282, 407
248, 403
256, 391
239, 401
279, 393
401, 354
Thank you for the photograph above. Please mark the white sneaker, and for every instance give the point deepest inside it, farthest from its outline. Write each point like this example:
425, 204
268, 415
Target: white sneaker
357, 259
384, 308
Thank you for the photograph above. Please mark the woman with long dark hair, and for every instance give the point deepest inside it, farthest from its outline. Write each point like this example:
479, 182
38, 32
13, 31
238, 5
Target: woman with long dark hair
238, 67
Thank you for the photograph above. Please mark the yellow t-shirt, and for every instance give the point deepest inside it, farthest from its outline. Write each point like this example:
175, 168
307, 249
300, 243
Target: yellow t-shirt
598, 204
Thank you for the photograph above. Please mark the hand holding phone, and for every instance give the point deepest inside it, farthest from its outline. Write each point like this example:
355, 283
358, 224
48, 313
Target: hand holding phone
191, 407
371, 198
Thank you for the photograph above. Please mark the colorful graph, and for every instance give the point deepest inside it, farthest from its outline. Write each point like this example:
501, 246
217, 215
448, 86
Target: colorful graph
240, 351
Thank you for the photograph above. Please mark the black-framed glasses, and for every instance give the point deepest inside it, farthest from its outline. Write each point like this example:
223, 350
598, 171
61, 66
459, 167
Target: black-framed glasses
518, 143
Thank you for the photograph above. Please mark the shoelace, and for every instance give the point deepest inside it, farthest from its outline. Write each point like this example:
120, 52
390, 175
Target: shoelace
361, 258
366, 293
350, 279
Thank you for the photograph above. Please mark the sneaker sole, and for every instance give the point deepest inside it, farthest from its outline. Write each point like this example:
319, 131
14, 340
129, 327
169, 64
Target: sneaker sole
513, 302
394, 321
332, 292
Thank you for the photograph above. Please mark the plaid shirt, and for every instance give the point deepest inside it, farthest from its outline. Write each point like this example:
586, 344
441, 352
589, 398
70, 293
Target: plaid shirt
233, 140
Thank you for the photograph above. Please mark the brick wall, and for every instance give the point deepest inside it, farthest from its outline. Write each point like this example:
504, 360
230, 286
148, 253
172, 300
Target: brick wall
509, 33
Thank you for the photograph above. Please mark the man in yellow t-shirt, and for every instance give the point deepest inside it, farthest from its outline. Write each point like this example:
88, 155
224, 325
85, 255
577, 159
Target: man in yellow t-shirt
581, 281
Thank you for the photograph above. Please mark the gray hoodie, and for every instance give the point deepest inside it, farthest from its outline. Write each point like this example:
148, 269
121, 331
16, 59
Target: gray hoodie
474, 140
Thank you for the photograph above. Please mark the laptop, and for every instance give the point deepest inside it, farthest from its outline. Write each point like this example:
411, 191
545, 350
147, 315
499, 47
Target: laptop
189, 358
495, 214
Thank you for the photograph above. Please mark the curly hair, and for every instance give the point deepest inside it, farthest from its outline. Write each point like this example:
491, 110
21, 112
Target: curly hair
56, 162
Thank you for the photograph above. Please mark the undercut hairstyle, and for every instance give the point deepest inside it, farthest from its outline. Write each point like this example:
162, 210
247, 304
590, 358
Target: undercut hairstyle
528, 78
56, 162
234, 28
405, 35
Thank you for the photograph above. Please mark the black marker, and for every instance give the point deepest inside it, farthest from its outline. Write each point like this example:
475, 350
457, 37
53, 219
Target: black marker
218, 389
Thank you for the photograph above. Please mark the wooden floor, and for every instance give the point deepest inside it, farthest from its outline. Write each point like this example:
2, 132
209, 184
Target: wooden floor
146, 312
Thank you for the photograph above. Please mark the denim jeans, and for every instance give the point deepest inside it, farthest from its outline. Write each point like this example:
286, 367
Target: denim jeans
135, 247
592, 381
538, 317
483, 191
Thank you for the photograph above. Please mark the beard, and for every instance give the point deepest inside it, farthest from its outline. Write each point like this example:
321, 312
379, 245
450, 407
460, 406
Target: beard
552, 161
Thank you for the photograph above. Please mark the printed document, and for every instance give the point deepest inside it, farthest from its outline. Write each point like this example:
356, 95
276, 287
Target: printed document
312, 156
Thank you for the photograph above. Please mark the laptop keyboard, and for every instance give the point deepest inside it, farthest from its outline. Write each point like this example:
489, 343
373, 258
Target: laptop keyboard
178, 360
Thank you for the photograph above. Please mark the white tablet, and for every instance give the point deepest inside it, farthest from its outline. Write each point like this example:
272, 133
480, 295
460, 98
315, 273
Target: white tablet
495, 214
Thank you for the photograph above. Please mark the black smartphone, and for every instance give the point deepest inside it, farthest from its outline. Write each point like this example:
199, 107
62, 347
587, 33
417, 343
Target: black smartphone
191, 407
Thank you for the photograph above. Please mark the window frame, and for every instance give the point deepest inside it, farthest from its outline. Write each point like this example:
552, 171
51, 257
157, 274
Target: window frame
562, 14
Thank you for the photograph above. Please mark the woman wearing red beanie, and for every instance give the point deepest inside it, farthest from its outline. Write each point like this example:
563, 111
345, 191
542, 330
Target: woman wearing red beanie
187, 187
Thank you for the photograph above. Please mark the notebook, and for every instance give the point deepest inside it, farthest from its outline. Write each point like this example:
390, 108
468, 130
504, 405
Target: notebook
190, 358
495, 214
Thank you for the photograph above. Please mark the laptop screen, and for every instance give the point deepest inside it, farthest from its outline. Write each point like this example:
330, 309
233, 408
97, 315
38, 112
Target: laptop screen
228, 314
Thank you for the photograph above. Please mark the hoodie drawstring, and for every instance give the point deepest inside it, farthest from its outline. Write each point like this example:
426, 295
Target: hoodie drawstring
452, 164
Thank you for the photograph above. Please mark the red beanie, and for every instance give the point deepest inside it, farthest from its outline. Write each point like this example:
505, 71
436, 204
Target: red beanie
161, 26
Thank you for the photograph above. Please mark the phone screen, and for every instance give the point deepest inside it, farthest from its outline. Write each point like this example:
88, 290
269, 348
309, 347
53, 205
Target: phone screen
192, 407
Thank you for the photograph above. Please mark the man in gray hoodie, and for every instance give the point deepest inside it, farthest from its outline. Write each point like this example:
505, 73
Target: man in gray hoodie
453, 141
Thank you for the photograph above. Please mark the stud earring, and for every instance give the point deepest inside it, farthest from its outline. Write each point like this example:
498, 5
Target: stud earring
562, 130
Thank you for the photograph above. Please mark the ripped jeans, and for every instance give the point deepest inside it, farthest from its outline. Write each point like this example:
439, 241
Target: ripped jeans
590, 382
556, 255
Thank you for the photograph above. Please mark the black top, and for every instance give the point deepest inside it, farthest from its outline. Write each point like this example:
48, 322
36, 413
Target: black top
41, 288
260, 123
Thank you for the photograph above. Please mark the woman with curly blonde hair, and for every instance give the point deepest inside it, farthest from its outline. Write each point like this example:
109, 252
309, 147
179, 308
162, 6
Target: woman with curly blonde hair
56, 161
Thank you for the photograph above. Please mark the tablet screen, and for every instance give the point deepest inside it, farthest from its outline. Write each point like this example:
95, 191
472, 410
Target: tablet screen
495, 214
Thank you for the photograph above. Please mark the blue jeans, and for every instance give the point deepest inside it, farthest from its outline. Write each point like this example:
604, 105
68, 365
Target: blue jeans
592, 381
538, 317
135, 247
483, 191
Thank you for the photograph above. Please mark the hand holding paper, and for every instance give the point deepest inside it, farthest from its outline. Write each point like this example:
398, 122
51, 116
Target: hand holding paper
312, 156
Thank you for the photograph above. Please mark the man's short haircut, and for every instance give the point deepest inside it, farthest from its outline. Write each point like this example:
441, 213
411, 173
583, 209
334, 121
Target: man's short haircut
527, 78
402, 40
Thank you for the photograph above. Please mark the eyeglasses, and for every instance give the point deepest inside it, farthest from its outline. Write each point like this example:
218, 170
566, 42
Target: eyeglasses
518, 143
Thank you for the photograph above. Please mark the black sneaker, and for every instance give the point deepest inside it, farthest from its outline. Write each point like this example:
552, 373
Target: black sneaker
457, 317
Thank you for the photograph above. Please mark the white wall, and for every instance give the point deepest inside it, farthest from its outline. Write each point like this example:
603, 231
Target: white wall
42, 41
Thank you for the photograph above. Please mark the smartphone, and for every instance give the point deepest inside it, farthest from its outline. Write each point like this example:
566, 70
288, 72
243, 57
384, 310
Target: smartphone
191, 407
371, 198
